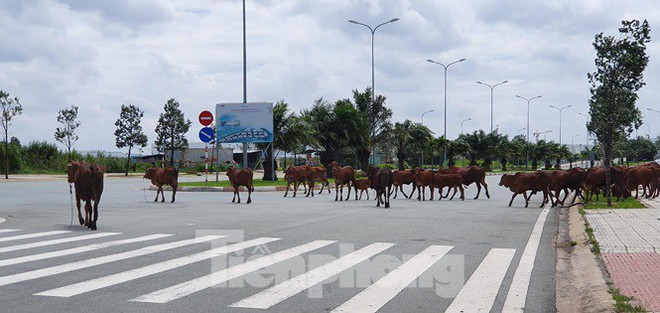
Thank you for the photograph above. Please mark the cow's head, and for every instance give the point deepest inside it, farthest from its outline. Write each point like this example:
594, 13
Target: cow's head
506, 178
73, 170
149, 173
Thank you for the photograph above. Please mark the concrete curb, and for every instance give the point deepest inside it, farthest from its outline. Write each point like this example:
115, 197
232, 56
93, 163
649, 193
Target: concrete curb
581, 280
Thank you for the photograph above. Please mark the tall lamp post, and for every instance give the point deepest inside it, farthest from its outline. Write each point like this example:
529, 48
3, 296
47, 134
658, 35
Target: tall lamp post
560, 110
528, 100
518, 132
463, 121
429, 111
572, 143
654, 110
587, 139
445, 115
491, 99
373, 31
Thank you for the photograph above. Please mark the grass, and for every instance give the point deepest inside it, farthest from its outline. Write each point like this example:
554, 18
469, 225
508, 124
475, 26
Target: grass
225, 183
595, 246
622, 302
630, 203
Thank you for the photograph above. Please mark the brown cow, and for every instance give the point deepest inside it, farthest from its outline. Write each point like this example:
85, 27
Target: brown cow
400, 178
88, 182
645, 175
239, 178
242, 177
381, 182
160, 176
343, 176
472, 174
320, 175
363, 185
423, 179
451, 181
295, 175
594, 182
520, 183
567, 181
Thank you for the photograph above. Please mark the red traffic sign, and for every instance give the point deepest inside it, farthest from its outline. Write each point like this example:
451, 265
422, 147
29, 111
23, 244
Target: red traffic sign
206, 118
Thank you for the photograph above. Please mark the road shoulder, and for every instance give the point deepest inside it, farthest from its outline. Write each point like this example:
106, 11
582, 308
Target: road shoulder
581, 286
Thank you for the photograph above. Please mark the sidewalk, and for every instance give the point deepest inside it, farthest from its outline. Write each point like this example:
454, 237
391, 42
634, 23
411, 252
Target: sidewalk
630, 246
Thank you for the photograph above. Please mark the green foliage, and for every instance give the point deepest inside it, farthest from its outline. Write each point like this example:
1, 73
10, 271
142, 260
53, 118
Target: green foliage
68, 133
622, 302
388, 165
171, 129
408, 139
129, 131
10, 107
12, 159
620, 63
629, 203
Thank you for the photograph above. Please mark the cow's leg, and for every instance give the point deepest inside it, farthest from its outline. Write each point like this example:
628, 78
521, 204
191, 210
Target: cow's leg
478, 191
336, 190
97, 199
235, 192
174, 188
526, 199
432, 188
485, 187
249, 188
157, 193
288, 184
296, 184
460, 187
512, 197
80, 217
396, 191
378, 194
412, 192
387, 196
452, 195
238, 194
88, 213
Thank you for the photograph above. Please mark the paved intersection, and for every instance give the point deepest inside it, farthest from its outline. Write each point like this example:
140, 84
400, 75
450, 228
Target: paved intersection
205, 254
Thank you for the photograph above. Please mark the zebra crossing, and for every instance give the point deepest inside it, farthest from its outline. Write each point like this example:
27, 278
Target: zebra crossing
478, 293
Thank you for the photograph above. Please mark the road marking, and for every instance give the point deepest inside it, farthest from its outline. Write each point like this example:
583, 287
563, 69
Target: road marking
480, 291
291, 287
15, 278
48, 255
517, 296
201, 283
55, 241
110, 280
386, 288
34, 235
8, 230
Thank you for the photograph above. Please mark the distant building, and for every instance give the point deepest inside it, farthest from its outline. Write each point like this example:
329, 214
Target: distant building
196, 153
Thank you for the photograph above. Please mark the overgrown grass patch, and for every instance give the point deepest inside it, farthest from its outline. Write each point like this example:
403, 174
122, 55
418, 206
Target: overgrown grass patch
595, 246
630, 203
622, 302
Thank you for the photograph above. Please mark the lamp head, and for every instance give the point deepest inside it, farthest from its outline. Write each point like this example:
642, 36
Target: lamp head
394, 20
352, 21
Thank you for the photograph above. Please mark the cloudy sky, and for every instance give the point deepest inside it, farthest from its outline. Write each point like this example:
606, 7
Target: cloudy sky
101, 54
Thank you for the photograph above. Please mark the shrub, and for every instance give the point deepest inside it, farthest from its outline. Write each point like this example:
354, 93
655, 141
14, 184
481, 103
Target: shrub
388, 165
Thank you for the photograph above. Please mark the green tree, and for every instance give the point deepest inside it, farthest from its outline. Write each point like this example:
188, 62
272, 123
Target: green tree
620, 63
171, 129
506, 151
11, 107
129, 131
478, 145
378, 118
287, 133
68, 133
562, 153
405, 135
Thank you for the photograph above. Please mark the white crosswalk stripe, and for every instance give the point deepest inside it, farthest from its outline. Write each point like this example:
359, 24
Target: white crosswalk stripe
278, 293
15, 278
55, 242
477, 295
386, 288
6, 230
110, 280
53, 254
485, 282
34, 235
195, 285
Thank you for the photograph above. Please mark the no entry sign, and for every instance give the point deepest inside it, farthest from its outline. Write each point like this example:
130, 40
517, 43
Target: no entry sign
206, 118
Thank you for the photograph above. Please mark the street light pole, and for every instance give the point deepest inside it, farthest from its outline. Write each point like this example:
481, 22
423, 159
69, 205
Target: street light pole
572, 143
463, 121
518, 132
245, 154
491, 99
429, 111
560, 110
528, 100
373, 100
445, 109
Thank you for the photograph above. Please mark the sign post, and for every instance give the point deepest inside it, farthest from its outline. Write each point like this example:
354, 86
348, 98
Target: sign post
206, 134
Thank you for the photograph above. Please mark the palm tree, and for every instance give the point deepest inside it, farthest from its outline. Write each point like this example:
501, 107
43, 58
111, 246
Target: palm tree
506, 150
407, 134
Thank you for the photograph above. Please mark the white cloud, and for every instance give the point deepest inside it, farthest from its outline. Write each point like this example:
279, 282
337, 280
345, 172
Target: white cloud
101, 54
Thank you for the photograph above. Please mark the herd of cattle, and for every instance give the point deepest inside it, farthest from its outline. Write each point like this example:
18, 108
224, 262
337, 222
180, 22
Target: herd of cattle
87, 179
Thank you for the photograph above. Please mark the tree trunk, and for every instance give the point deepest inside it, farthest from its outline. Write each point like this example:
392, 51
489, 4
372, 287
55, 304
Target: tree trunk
268, 169
6, 152
503, 161
172, 148
363, 157
607, 147
128, 160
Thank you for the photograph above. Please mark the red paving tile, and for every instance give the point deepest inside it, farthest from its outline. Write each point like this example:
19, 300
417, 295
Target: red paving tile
636, 275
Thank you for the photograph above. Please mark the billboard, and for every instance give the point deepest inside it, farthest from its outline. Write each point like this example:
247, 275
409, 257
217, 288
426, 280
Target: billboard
244, 122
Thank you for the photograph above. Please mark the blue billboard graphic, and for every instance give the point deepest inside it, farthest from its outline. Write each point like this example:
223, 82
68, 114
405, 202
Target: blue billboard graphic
244, 122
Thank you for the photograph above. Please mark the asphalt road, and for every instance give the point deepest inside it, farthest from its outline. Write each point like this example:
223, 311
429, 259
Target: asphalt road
418, 256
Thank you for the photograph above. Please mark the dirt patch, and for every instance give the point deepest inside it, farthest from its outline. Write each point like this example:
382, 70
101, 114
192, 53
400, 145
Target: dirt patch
581, 286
